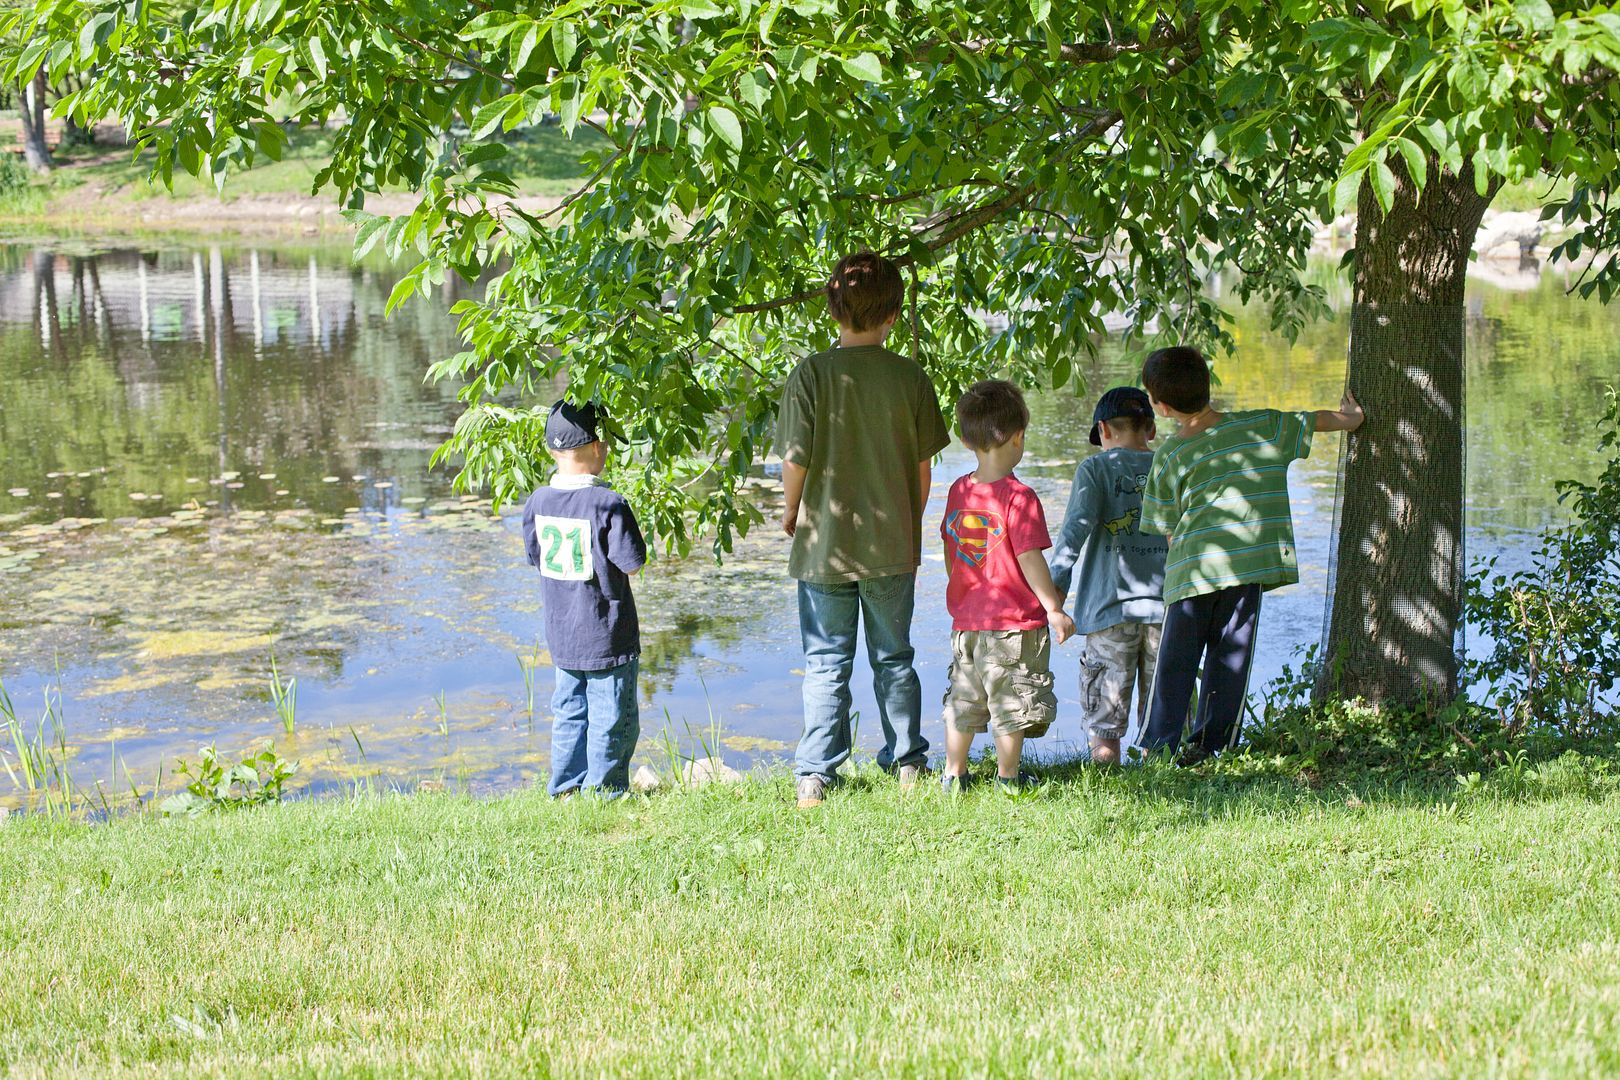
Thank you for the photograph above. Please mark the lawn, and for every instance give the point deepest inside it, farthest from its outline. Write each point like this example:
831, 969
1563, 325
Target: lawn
1150, 922
544, 161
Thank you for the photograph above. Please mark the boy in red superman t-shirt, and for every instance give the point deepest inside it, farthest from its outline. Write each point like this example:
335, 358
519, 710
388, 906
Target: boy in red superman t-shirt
1004, 607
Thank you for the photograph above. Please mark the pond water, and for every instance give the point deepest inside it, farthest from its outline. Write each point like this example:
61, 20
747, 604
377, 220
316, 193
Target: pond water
211, 456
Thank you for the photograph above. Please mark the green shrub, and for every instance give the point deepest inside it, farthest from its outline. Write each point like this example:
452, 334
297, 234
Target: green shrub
1556, 625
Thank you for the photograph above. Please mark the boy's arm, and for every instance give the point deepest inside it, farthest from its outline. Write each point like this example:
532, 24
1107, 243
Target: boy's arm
925, 482
1078, 520
795, 436
1033, 564
792, 493
626, 548
1161, 502
1347, 417
531, 543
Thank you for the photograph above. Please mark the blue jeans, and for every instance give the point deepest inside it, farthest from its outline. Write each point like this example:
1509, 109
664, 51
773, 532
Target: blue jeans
595, 723
828, 615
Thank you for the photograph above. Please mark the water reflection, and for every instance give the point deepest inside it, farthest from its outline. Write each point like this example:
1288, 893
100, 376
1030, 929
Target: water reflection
207, 453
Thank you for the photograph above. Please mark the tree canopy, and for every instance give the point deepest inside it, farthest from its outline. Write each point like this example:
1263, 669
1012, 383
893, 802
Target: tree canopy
1051, 163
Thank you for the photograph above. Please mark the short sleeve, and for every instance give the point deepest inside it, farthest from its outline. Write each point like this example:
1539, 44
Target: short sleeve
932, 434
1026, 531
1161, 499
625, 547
795, 420
1297, 429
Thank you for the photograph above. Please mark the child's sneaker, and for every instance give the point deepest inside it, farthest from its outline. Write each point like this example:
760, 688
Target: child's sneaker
812, 790
1024, 781
955, 785
911, 775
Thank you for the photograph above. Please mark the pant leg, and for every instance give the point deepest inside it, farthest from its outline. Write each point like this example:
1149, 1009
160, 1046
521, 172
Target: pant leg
1233, 622
1147, 663
887, 604
569, 718
615, 725
1107, 668
828, 619
1181, 645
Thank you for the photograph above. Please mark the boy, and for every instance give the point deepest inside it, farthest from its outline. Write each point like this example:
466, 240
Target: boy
582, 537
1004, 607
1219, 491
1120, 607
857, 430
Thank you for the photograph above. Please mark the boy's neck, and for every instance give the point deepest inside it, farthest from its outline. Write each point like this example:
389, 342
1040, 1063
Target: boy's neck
996, 464
1140, 442
850, 338
1194, 422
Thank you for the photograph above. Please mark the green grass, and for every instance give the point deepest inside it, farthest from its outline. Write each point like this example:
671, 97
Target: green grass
544, 162
1142, 923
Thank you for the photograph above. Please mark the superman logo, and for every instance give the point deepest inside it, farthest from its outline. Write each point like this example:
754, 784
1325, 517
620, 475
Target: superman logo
976, 532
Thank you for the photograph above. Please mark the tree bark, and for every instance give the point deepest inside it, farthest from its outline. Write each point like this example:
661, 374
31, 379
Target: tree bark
31, 109
1397, 594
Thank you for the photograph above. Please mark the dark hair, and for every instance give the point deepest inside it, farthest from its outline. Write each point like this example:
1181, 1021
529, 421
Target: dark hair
1179, 377
991, 412
864, 290
1129, 423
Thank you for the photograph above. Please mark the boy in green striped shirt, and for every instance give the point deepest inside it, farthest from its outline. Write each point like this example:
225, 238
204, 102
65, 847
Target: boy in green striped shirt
1218, 489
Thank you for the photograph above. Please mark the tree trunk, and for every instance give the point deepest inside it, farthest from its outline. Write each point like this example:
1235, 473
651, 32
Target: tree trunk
31, 110
1396, 596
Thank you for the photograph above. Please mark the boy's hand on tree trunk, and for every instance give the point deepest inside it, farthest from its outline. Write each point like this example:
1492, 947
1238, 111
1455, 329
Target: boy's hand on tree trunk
1348, 417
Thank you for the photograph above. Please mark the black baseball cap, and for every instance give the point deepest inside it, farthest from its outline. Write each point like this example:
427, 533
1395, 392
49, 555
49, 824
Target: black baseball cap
1120, 401
571, 426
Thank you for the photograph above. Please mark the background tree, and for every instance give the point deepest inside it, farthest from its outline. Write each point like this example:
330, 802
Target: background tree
31, 115
1055, 164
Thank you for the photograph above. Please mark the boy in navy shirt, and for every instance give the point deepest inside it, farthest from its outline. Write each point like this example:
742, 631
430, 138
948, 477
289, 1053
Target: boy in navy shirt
582, 537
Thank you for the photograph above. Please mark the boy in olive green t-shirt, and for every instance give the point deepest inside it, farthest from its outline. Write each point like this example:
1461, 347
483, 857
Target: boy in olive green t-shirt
1218, 489
857, 430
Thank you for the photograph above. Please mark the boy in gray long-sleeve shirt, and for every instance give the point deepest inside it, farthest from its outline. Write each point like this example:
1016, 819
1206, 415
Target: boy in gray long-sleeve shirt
1119, 603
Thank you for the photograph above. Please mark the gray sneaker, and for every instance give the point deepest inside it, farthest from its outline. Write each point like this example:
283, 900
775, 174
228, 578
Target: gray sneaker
1017, 785
812, 790
912, 775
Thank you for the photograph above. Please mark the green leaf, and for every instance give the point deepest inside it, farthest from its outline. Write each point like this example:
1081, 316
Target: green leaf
726, 125
565, 41
317, 57
1383, 184
864, 66
95, 33
1534, 15
1417, 165
701, 9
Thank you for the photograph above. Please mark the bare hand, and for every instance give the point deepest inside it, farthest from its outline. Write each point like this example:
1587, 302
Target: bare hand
1062, 626
1352, 410
790, 520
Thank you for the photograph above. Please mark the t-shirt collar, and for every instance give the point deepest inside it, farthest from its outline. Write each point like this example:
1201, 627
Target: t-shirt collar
576, 481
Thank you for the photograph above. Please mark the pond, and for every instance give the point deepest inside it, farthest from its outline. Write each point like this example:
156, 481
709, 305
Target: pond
211, 457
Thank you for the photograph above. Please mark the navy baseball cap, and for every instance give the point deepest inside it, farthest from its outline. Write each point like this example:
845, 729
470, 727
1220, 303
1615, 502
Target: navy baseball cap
571, 426
1120, 401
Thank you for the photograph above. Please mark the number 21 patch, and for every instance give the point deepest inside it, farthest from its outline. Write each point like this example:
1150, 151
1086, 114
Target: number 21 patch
565, 548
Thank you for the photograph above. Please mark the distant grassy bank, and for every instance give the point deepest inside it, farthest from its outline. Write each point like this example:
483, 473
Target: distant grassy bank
106, 187
1150, 923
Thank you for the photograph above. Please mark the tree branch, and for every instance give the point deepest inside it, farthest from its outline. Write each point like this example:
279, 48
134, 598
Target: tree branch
945, 232
1069, 52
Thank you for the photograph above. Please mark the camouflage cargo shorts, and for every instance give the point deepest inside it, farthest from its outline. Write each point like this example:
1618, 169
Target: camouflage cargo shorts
1001, 679
1112, 662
